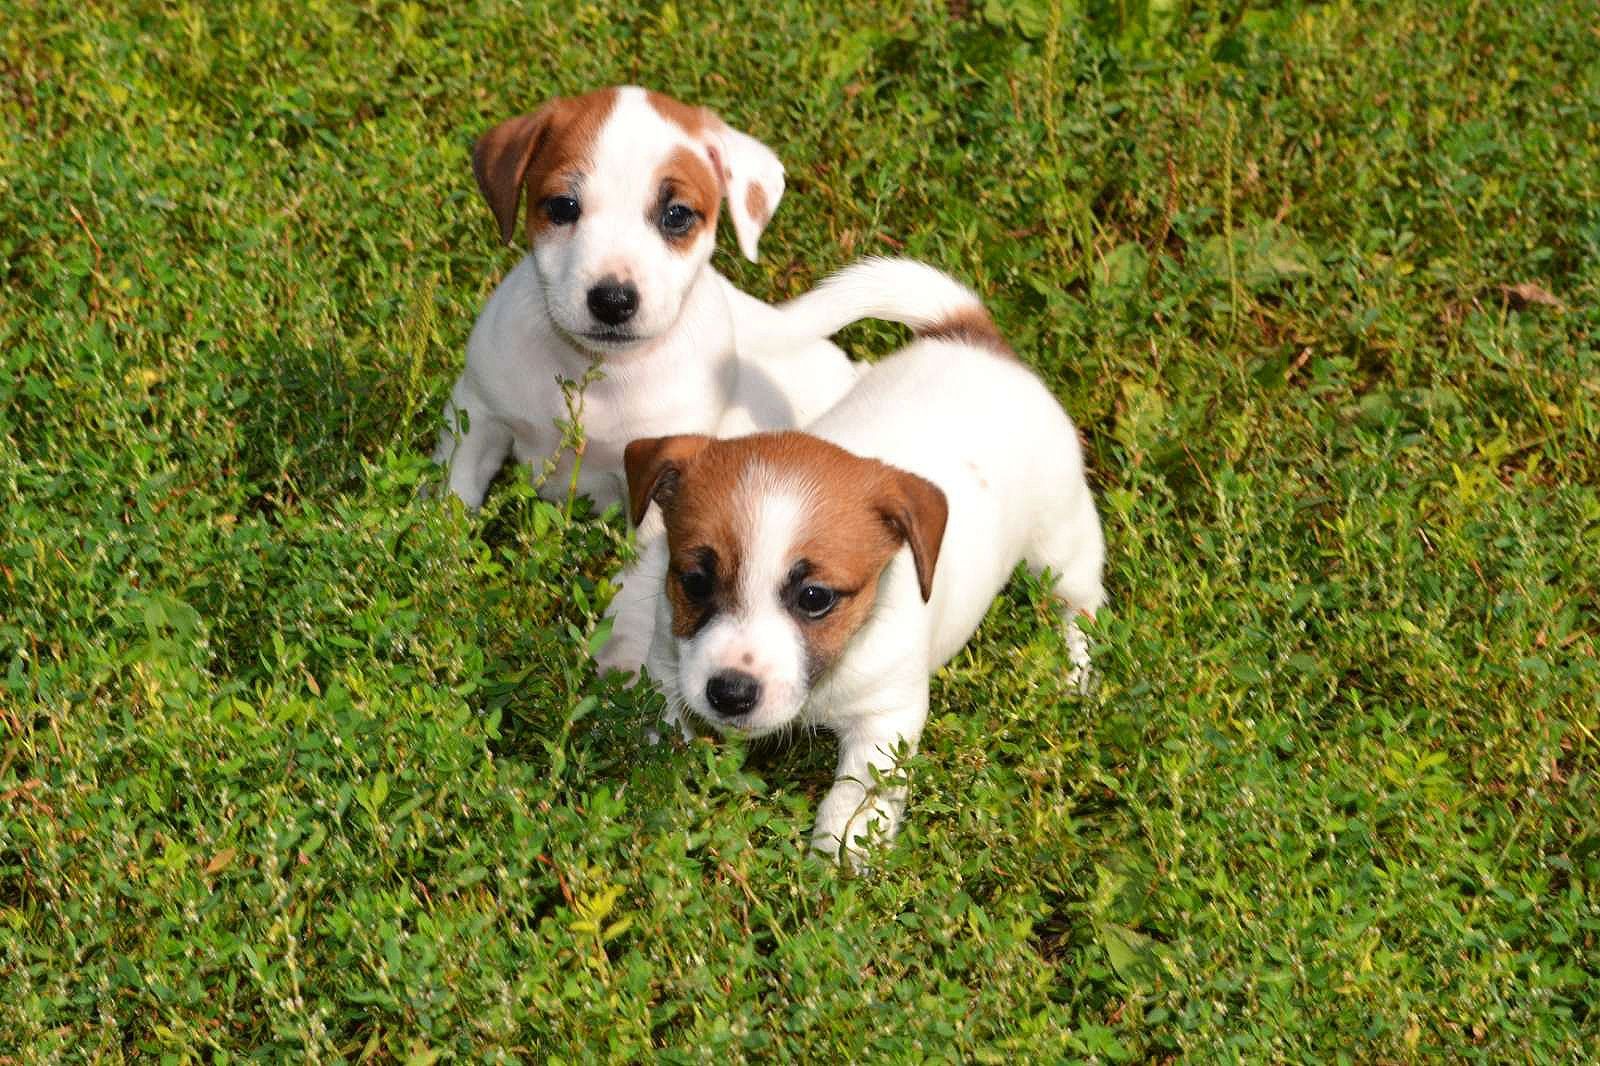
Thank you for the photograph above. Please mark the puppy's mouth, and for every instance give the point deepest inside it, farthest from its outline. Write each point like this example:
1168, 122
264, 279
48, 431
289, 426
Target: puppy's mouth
609, 336
596, 336
748, 731
736, 727
605, 340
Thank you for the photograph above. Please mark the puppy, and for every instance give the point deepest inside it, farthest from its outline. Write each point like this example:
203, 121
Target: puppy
623, 190
818, 578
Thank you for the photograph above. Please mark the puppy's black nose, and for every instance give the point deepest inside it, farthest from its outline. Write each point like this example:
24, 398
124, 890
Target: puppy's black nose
613, 302
732, 692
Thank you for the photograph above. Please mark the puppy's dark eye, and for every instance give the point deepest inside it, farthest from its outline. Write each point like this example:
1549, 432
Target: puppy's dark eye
814, 601
562, 210
678, 219
697, 585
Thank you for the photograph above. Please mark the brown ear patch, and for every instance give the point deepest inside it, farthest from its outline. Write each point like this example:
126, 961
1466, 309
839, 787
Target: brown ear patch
755, 205
500, 161
541, 153
654, 468
970, 325
917, 510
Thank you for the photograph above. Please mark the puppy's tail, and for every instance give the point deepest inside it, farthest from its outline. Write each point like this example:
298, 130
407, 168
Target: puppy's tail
931, 302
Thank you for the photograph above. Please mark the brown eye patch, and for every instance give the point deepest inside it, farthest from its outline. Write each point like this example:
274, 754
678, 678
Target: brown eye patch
856, 545
696, 590
687, 198
807, 596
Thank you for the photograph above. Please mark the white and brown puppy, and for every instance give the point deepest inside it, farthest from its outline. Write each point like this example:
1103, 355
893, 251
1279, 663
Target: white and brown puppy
623, 189
819, 578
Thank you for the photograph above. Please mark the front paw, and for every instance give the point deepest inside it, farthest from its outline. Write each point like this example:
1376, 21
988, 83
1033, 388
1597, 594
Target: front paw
828, 848
858, 856
622, 653
1082, 681
1082, 678
853, 821
672, 719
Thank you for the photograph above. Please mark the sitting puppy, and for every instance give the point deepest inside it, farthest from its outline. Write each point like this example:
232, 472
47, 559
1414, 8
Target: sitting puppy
818, 578
623, 190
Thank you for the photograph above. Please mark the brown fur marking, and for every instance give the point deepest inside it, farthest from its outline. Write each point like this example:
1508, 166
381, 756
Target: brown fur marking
689, 180
694, 121
969, 326
700, 523
541, 153
755, 205
653, 467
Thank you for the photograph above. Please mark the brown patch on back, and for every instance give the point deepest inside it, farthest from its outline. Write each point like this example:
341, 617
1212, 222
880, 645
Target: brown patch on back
755, 205
542, 153
862, 512
687, 178
971, 325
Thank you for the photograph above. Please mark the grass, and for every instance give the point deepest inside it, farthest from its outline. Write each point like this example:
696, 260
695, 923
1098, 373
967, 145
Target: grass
294, 767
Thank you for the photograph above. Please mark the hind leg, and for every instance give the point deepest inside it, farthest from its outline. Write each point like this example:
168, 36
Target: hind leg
1072, 548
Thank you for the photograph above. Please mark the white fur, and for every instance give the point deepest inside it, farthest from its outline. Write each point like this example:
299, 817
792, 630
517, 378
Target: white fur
986, 431
683, 367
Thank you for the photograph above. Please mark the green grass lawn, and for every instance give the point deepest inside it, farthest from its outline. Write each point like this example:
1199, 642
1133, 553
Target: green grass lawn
295, 767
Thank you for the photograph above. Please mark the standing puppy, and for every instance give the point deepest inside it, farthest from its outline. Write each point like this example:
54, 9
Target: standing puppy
818, 578
623, 188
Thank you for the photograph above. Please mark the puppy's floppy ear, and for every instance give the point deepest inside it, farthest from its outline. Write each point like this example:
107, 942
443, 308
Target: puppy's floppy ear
752, 177
500, 162
916, 510
654, 466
